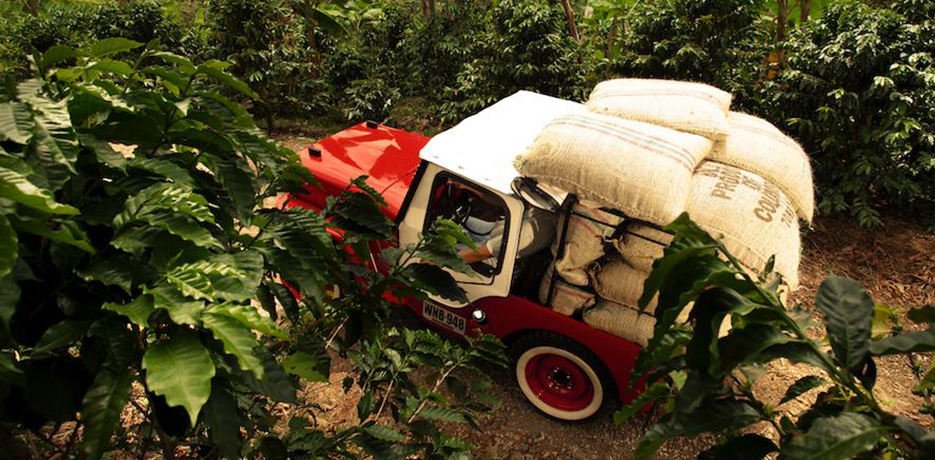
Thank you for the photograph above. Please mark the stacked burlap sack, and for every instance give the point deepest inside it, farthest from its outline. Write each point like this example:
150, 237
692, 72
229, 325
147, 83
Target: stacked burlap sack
653, 149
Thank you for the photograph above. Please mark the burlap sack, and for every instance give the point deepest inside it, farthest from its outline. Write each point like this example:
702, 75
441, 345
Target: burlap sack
691, 107
588, 229
757, 146
640, 169
752, 216
566, 298
622, 321
617, 281
640, 246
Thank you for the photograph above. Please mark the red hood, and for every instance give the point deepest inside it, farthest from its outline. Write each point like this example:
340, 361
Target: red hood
388, 156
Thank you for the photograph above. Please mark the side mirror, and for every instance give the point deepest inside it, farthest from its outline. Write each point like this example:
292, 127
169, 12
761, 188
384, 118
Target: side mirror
528, 191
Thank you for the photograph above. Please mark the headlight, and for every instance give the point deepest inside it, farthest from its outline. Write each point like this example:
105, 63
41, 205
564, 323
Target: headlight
479, 316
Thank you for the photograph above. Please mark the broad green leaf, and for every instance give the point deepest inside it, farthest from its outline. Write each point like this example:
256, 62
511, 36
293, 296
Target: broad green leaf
223, 423
104, 152
118, 342
10, 244
9, 371
112, 66
711, 417
117, 270
59, 335
228, 80
184, 64
180, 369
185, 228
191, 283
909, 342
55, 140
182, 310
802, 386
655, 392
306, 366
745, 447
67, 231
248, 316
56, 54
922, 315
848, 311
137, 310
15, 186
838, 437
238, 340
169, 170
441, 414
236, 179
436, 281
16, 123
100, 411
112, 46
385, 433
275, 382
9, 298
164, 197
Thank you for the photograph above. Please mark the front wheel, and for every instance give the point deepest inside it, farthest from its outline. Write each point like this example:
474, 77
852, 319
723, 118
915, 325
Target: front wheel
561, 377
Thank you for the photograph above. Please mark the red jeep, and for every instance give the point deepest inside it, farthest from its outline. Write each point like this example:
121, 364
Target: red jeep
566, 368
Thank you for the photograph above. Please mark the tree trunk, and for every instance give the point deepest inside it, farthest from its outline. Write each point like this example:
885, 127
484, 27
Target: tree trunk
570, 16
805, 10
428, 8
782, 20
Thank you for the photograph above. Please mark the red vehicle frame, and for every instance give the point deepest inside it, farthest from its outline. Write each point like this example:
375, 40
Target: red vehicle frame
390, 157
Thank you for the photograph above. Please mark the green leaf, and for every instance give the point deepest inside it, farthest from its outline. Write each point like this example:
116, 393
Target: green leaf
112, 66
115, 270
228, 80
16, 123
848, 311
656, 391
180, 369
113, 46
17, 187
10, 244
248, 316
308, 367
182, 310
100, 412
385, 433
745, 447
237, 339
56, 54
176, 174
838, 437
68, 232
223, 422
922, 315
191, 283
60, 335
9, 298
104, 152
711, 417
56, 143
434, 280
237, 181
802, 386
137, 310
184, 64
441, 414
275, 383
910, 342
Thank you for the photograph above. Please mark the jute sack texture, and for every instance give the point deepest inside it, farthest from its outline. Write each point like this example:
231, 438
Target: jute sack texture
588, 229
757, 146
566, 298
690, 107
637, 168
640, 246
617, 281
751, 215
622, 321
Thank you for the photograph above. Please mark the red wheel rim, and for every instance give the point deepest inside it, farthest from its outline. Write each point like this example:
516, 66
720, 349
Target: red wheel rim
559, 382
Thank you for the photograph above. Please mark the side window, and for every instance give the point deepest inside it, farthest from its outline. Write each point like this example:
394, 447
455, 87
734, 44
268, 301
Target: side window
482, 214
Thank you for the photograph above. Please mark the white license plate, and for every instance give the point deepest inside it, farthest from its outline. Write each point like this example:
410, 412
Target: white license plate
443, 317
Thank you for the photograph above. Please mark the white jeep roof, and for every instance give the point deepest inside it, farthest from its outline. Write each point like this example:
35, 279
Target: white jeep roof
482, 147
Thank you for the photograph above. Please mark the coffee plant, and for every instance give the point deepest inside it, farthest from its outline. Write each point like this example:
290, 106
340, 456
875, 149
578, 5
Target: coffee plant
141, 271
858, 93
703, 380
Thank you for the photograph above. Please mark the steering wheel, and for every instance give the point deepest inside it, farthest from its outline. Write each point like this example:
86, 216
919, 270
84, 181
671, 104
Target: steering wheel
461, 206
